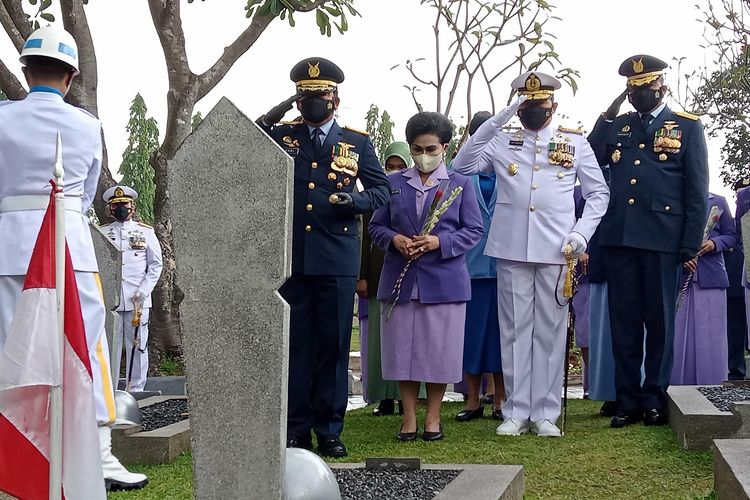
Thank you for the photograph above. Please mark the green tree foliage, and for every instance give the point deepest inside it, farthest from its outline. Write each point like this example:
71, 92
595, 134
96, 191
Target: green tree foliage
3, 97
135, 168
723, 92
197, 119
380, 127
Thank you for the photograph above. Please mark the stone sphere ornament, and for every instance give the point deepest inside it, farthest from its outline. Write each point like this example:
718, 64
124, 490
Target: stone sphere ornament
308, 477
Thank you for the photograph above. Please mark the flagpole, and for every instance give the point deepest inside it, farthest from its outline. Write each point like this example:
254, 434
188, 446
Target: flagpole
56, 392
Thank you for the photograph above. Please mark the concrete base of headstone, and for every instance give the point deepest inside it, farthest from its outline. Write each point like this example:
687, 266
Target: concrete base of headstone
159, 446
695, 420
732, 469
475, 482
167, 386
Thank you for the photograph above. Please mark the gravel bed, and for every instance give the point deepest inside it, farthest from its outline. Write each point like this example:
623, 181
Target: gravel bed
722, 397
164, 413
362, 484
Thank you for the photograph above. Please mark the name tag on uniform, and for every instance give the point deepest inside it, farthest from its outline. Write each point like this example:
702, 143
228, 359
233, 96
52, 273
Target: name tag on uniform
516, 142
291, 151
395, 191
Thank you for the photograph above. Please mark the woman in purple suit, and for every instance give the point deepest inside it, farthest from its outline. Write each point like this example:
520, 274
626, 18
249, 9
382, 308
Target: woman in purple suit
422, 334
700, 344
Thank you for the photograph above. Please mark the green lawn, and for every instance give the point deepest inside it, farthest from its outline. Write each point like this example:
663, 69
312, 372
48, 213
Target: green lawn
591, 461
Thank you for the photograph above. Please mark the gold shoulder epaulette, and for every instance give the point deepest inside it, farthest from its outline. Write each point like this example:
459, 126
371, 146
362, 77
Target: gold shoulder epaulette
144, 224
689, 116
511, 128
577, 131
356, 130
297, 122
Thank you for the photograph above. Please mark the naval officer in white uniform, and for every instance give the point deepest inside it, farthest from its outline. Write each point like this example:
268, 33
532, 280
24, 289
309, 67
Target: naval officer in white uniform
141, 268
537, 167
28, 131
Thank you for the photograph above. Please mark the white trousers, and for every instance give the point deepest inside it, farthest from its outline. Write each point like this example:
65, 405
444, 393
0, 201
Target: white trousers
532, 338
92, 308
139, 355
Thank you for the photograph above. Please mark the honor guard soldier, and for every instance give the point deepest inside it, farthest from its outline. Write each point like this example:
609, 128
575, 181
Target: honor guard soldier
537, 167
328, 162
27, 154
659, 182
141, 268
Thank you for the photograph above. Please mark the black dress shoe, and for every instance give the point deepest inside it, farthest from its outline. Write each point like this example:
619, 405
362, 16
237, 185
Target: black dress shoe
653, 416
433, 436
298, 442
625, 418
332, 447
385, 407
466, 415
608, 409
497, 414
407, 436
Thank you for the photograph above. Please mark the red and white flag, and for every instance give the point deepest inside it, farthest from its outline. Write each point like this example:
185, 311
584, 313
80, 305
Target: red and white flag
29, 366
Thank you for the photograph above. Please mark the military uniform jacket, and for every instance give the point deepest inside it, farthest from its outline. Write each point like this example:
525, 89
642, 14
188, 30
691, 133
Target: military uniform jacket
28, 132
658, 181
324, 238
536, 173
141, 259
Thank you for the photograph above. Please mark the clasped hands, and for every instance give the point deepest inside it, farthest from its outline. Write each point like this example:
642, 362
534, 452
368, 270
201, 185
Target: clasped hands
692, 264
416, 246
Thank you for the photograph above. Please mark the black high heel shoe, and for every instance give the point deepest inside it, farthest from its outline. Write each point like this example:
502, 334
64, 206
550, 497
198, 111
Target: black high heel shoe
385, 407
407, 436
434, 436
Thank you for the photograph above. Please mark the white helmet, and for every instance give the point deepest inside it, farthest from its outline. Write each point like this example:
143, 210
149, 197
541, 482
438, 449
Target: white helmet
53, 43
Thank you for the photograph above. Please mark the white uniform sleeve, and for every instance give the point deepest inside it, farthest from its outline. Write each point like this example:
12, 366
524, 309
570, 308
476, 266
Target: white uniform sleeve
594, 190
475, 156
153, 262
92, 180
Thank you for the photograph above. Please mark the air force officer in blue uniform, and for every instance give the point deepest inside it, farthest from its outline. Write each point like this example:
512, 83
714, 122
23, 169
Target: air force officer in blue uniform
328, 161
657, 210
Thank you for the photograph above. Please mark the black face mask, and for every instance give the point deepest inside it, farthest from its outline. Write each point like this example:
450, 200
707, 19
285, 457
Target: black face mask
644, 99
534, 117
121, 213
316, 109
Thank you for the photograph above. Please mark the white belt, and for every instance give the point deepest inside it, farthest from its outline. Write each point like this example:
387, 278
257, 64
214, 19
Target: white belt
36, 202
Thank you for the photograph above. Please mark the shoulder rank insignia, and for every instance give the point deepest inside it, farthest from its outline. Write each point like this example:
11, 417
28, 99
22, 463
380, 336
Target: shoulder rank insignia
577, 131
144, 224
355, 130
294, 122
689, 116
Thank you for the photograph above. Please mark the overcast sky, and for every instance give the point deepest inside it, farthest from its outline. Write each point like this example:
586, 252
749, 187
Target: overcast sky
593, 37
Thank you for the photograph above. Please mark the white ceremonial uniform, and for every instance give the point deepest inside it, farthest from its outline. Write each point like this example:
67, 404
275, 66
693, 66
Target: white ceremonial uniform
534, 213
28, 131
141, 268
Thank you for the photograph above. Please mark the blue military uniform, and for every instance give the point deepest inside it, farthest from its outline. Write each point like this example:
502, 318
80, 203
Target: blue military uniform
325, 257
657, 210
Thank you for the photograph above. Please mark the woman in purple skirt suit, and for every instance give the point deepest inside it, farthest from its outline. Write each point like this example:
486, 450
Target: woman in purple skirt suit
422, 335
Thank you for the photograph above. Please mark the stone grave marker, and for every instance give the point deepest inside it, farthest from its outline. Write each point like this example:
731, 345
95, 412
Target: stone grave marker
231, 209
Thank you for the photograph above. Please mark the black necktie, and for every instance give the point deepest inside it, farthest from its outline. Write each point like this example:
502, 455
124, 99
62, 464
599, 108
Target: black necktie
316, 135
646, 120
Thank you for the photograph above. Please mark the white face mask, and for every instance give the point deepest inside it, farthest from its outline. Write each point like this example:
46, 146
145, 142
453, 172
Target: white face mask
426, 163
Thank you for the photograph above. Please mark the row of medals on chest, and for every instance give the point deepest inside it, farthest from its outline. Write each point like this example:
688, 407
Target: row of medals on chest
559, 152
667, 139
136, 239
344, 162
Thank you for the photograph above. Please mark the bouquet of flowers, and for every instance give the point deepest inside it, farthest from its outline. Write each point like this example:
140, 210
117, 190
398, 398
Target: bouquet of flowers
713, 218
437, 209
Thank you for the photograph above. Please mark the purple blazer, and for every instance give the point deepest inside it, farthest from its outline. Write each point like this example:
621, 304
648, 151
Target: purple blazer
442, 274
711, 270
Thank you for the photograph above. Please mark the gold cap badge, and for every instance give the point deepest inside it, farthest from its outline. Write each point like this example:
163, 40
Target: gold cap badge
638, 65
313, 70
119, 193
533, 83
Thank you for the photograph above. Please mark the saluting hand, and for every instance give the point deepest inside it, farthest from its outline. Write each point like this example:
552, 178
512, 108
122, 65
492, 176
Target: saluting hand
422, 244
505, 115
276, 114
614, 108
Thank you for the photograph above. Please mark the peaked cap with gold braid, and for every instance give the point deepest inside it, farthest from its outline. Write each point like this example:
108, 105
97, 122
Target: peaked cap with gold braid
315, 74
642, 69
536, 85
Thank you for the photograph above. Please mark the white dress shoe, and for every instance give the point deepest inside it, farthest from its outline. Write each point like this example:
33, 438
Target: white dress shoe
545, 428
512, 427
116, 477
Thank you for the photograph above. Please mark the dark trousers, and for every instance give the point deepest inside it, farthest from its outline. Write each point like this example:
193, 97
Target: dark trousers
736, 337
320, 332
643, 289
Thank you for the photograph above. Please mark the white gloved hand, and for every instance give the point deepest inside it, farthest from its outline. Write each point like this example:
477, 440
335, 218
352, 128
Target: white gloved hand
138, 297
576, 241
505, 115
